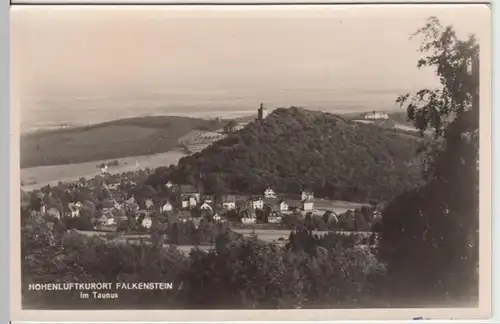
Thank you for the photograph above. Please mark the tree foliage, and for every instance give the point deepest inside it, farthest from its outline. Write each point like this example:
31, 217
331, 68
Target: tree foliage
296, 148
434, 228
230, 126
311, 272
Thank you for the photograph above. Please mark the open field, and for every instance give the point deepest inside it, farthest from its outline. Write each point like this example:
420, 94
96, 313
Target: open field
269, 235
336, 206
266, 235
130, 137
398, 119
278, 236
198, 136
404, 127
111, 140
116, 139
131, 238
196, 140
40, 176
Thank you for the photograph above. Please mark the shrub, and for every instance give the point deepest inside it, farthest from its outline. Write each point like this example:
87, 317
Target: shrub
293, 221
80, 223
251, 274
319, 223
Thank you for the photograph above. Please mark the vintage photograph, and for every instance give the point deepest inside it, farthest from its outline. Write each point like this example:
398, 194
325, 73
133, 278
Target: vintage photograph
259, 157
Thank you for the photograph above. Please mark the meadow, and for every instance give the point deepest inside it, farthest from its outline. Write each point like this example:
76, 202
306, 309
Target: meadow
110, 140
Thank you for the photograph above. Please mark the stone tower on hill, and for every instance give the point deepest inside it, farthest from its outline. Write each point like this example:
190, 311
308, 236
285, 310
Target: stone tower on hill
262, 112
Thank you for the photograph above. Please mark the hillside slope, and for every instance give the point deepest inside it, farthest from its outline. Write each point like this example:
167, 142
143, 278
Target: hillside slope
295, 148
109, 140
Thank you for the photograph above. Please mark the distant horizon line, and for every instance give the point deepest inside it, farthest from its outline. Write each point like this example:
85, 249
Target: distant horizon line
244, 114
187, 91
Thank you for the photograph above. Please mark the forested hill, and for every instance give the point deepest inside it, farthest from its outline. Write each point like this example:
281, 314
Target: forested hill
296, 148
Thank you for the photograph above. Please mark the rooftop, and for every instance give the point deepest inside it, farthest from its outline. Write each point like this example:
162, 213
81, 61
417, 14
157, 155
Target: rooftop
187, 189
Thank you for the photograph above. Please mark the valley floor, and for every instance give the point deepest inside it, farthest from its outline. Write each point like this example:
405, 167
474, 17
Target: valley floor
37, 177
40, 176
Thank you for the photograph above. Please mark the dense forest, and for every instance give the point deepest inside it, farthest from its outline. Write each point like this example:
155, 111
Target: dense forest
116, 139
296, 148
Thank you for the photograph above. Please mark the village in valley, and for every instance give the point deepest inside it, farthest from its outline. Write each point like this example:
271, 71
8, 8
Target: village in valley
185, 203
122, 203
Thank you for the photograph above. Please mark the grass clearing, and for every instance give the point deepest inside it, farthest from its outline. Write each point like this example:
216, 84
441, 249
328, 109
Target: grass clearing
110, 140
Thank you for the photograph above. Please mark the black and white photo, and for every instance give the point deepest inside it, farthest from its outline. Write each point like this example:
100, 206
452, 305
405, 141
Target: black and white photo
252, 158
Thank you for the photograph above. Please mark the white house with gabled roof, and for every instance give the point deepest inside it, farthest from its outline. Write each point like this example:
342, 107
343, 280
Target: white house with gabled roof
283, 206
249, 220
229, 202
269, 193
257, 203
206, 206
308, 205
167, 207
376, 115
189, 201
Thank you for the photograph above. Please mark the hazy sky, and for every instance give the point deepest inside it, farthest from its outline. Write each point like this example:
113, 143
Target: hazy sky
71, 54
